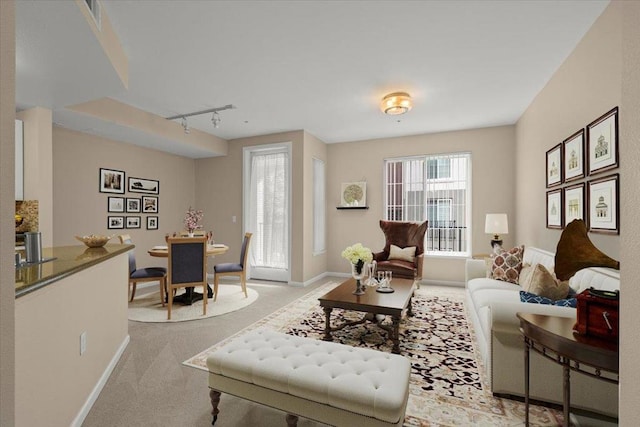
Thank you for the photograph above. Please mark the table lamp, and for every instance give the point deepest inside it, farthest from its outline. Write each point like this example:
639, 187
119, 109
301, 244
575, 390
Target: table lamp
496, 224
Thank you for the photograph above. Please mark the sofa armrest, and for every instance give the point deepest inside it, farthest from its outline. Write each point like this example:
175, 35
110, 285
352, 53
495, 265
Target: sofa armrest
380, 256
504, 319
418, 263
474, 269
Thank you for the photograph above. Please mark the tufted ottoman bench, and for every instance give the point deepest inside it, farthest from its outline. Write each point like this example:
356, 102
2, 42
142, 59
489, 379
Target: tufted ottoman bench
324, 381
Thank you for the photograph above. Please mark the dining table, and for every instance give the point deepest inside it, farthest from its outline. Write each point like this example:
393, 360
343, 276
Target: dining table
190, 296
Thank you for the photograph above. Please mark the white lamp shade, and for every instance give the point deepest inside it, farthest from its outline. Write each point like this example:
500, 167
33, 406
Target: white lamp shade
496, 224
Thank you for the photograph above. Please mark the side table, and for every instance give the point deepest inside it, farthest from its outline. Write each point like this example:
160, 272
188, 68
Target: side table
553, 338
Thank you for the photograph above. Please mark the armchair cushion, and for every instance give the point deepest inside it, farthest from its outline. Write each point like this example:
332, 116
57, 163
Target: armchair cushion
403, 254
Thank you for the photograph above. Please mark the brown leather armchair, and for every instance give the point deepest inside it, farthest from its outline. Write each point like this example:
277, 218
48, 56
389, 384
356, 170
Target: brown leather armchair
403, 235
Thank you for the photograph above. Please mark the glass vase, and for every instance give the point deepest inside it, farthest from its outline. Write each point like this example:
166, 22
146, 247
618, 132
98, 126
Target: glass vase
357, 271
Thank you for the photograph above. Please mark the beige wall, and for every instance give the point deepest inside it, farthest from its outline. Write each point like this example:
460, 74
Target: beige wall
7, 209
219, 195
586, 86
630, 244
81, 209
38, 172
313, 265
492, 152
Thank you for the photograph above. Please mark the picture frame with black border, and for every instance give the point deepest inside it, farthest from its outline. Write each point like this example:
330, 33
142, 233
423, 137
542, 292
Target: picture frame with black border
111, 181
554, 209
574, 203
554, 166
602, 143
573, 155
152, 223
149, 204
604, 204
115, 204
115, 222
133, 204
142, 185
133, 222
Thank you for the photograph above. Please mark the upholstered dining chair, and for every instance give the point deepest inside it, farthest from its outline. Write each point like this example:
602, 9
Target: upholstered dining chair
403, 252
148, 274
232, 269
187, 267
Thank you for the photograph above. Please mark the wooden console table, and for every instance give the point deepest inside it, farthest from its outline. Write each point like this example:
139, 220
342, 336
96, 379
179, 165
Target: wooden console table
553, 338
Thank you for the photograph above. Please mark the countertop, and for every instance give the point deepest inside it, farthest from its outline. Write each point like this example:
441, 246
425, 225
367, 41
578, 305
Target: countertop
67, 260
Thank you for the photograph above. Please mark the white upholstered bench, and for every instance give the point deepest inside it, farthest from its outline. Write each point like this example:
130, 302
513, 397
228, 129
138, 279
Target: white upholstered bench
324, 381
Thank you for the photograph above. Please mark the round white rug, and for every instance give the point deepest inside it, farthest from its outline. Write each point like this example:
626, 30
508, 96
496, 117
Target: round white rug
147, 307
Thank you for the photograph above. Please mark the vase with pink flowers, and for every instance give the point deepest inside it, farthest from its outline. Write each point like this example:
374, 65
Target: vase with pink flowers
192, 220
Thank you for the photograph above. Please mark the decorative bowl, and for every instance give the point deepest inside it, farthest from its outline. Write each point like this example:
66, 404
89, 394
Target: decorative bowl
94, 240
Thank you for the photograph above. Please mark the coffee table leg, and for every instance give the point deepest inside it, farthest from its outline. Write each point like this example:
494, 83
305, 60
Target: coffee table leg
566, 389
395, 334
327, 324
409, 307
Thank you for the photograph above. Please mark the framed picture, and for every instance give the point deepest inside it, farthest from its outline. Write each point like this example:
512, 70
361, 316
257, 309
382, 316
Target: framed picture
139, 185
554, 166
604, 205
149, 204
554, 208
115, 222
133, 222
133, 205
353, 194
111, 181
574, 205
115, 204
152, 223
573, 153
602, 137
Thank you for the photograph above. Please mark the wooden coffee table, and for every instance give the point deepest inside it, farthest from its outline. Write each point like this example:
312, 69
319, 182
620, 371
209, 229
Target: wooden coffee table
371, 303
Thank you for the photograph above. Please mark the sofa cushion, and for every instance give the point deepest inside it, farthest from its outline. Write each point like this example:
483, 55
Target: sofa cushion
404, 254
537, 299
536, 279
507, 265
484, 283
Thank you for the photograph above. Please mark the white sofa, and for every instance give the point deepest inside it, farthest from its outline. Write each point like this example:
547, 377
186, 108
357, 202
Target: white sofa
492, 306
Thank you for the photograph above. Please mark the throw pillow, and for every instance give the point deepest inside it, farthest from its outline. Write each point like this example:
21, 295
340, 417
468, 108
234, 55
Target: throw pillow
541, 281
537, 299
507, 265
403, 254
525, 274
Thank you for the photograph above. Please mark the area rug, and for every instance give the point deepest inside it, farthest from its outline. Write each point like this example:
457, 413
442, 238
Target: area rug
447, 387
147, 307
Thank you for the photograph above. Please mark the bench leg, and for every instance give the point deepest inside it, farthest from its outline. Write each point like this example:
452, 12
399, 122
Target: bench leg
292, 420
214, 395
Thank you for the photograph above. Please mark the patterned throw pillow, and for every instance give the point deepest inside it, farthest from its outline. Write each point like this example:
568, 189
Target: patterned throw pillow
537, 299
507, 265
540, 281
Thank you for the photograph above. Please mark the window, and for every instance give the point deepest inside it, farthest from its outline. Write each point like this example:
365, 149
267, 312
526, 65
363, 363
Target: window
433, 188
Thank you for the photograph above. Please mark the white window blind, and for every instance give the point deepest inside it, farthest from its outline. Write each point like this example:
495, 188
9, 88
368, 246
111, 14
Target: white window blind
319, 206
436, 188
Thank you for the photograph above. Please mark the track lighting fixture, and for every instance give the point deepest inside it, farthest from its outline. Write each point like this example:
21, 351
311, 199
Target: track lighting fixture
215, 118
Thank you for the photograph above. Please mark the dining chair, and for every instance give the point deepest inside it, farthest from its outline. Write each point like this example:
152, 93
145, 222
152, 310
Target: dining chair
187, 267
148, 274
232, 269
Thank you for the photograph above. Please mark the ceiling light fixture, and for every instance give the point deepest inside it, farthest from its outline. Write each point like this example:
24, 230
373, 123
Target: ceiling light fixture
396, 103
215, 119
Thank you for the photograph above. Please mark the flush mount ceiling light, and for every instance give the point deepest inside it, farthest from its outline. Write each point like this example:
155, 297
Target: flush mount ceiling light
396, 103
215, 118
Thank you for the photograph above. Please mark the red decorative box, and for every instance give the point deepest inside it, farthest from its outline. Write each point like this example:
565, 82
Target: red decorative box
598, 314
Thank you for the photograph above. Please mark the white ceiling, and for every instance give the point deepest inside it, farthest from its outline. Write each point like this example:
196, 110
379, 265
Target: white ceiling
321, 66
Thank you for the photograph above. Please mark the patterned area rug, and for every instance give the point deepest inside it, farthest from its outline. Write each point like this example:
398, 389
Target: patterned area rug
447, 386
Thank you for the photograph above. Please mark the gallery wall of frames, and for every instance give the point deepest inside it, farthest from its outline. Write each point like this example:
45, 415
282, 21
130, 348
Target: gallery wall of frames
582, 180
126, 210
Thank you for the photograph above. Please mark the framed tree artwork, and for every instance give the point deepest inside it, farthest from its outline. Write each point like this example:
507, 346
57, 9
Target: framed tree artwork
574, 203
554, 209
554, 166
602, 146
111, 181
573, 153
604, 205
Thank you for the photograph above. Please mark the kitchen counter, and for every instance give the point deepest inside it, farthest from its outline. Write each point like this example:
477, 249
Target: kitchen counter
67, 260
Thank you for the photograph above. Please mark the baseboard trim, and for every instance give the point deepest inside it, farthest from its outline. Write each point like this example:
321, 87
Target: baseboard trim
309, 281
93, 396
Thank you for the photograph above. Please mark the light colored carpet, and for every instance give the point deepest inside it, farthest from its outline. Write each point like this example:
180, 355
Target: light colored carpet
448, 386
147, 307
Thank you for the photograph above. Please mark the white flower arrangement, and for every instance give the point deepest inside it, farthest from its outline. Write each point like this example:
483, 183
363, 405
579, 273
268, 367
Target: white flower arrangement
192, 219
357, 254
